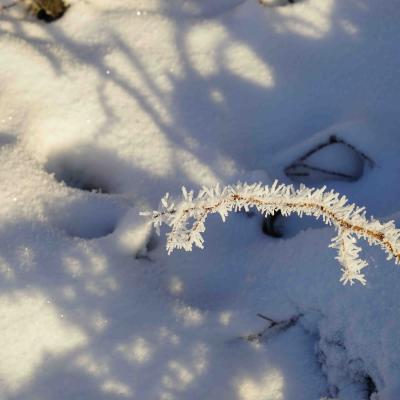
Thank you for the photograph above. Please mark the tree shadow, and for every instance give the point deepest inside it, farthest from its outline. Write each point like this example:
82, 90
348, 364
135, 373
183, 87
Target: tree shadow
231, 113
207, 109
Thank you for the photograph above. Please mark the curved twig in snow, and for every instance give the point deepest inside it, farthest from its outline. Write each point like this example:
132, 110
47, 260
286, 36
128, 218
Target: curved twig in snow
348, 219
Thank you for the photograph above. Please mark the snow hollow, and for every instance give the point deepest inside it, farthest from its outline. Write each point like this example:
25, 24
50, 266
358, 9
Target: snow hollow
114, 103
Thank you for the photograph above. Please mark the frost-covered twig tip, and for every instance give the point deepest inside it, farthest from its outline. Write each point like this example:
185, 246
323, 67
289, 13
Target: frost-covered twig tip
348, 220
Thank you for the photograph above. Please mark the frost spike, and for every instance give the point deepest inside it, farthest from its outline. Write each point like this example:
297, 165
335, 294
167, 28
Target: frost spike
348, 220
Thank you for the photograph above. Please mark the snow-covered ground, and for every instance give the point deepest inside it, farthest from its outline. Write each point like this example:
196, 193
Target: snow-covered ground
118, 102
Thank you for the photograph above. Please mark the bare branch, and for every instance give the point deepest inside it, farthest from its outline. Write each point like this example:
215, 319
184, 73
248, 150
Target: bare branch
348, 219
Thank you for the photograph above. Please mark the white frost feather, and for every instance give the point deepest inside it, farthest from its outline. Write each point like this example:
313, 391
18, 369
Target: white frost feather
349, 220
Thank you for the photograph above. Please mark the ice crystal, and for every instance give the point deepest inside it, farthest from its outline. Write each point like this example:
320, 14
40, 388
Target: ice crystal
187, 218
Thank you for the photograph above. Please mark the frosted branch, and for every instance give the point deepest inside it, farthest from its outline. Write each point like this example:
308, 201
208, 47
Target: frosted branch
187, 218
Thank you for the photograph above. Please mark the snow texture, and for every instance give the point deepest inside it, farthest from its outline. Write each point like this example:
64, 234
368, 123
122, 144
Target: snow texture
117, 102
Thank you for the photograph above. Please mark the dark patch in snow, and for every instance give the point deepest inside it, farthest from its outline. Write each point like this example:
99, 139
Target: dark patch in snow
269, 225
6, 138
334, 159
151, 244
78, 176
48, 11
278, 3
279, 226
274, 327
370, 386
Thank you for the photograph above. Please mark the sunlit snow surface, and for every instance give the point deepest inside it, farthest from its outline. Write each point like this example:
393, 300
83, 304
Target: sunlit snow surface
118, 102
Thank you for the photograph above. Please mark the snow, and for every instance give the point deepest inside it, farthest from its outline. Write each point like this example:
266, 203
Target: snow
108, 108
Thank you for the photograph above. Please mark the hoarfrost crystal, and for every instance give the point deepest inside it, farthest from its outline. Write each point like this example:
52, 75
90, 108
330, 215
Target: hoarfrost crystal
348, 220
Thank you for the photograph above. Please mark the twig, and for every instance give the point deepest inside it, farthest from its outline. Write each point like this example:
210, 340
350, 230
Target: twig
267, 319
274, 328
333, 139
349, 220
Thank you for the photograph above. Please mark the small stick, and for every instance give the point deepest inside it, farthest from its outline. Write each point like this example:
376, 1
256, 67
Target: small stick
273, 323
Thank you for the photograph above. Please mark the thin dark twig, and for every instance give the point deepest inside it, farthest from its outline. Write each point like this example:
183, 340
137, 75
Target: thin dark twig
325, 171
267, 319
285, 322
333, 139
